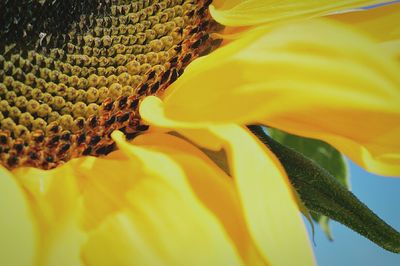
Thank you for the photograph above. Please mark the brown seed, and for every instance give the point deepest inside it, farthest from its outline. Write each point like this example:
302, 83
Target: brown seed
64, 99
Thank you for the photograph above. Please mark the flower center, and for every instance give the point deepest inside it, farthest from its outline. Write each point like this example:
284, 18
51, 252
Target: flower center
62, 94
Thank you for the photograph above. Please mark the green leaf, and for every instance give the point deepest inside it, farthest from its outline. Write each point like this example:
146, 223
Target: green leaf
323, 194
321, 153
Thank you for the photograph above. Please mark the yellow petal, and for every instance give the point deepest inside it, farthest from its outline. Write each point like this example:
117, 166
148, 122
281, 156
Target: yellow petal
152, 112
104, 183
383, 23
18, 241
225, 4
54, 198
392, 48
340, 87
269, 205
252, 165
162, 223
255, 12
211, 185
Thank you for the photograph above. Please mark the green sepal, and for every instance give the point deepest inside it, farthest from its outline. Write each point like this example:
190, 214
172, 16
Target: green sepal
324, 155
323, 194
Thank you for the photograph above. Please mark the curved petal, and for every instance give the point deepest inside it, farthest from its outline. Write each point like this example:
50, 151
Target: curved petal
104, 183
162, 222
225, 4
18, 240
262, 185
255, 12
339, 87
126, 207
54, 198
211, 185
383, 23
270, 207
152, 112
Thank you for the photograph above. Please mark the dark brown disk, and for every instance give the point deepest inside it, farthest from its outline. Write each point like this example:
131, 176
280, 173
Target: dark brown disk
63, 95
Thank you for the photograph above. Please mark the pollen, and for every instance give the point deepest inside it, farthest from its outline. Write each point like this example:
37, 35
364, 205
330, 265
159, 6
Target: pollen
72, 72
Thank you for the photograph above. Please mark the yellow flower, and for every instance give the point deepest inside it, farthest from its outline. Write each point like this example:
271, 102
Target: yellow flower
316, 79
159, 199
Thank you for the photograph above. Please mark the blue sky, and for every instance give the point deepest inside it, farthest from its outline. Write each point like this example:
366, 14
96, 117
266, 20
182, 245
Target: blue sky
382, 195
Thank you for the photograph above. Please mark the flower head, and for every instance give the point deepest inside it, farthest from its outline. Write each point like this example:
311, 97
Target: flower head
125, 74
64, 101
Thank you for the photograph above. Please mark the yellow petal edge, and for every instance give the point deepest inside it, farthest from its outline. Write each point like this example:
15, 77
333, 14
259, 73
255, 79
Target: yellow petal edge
262, 184
340, 87
18, 232
256, 12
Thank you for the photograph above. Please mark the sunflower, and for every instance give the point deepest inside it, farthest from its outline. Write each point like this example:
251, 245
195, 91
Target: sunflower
152, 91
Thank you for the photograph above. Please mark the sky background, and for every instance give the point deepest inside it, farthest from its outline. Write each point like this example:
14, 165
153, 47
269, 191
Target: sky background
382, 195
